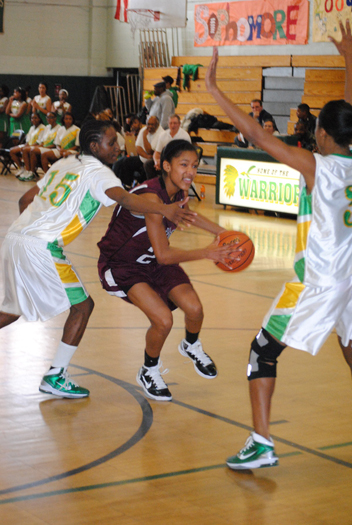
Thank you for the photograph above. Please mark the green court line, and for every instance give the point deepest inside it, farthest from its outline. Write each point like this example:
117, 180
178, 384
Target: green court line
123, 482
111, 484
338, 445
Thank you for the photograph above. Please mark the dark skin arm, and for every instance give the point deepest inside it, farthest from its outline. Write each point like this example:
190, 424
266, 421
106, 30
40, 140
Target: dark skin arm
27, 198
166, 254
345, 49
297, 158
140, 204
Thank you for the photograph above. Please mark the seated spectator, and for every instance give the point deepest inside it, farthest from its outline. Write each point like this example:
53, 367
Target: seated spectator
41, 103
45, 143
4, 119
135, 126
260, 114
21, 152
61, 106
16, 110
130, 169
174, 132
173, 89
162, 106
303, 113
269, 126
66, 142
146, 143
305, 139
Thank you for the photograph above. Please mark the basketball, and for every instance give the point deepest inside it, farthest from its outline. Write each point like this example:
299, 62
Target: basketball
245, 254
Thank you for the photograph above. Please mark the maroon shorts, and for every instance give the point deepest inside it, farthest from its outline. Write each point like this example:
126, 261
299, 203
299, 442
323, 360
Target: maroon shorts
162, 279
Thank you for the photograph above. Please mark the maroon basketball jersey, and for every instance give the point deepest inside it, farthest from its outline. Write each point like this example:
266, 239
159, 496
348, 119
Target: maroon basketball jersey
126, 239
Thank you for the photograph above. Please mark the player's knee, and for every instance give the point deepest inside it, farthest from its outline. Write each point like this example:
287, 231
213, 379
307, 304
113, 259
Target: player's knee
263, 356
195, 310
163, 323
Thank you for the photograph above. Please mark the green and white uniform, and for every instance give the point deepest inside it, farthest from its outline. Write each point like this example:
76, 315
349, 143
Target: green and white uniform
34, 135
66, 139
22, 121
4, 118
42, 102
59, 111
320, 298
39, 280
48, 137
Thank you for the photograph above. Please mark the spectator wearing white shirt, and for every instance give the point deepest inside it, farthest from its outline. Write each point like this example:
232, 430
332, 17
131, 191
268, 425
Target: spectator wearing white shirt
174, 132
162, 106
146, 143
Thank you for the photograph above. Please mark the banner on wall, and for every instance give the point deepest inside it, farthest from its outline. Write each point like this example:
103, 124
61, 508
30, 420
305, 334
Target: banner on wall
327, 14
258, 22
2, 6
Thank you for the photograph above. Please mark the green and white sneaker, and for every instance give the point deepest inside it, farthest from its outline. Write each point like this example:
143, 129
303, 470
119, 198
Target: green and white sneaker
26, 176
257, 452
58, 383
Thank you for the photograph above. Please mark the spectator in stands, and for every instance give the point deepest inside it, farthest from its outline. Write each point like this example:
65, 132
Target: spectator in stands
146, 144
175, 132
305, 139
41, 103
16, 110
45, 143
131, 169
135, 126
269, 126
260, 114
21, 152
303, 113
162, 106
66, 142
4, 119
173, 89
61, 106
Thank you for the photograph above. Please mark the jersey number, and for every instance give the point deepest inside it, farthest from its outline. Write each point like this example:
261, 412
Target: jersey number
61, 191
347, 216
145, 258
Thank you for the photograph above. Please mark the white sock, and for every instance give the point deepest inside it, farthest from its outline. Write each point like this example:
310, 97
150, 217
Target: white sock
261, 439
63, 356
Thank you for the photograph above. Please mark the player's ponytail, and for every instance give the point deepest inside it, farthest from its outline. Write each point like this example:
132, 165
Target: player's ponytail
336, 119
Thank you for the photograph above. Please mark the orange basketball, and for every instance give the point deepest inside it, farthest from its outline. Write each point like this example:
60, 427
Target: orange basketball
244, 254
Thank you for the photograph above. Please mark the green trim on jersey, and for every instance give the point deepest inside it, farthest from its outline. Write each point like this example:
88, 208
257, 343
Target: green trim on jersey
89, 207
55, 250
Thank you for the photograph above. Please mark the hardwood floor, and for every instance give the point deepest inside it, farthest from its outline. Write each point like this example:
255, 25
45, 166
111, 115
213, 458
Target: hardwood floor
117, 457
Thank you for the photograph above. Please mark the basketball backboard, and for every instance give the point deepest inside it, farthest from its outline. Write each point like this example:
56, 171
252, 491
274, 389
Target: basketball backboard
156, 14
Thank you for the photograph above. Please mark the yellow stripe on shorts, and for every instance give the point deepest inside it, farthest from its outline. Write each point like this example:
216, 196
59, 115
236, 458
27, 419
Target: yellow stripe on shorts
290, 295
66, 274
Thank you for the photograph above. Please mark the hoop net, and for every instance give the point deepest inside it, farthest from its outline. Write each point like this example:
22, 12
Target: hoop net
141, 18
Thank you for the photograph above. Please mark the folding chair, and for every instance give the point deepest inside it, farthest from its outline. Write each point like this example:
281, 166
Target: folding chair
18, 137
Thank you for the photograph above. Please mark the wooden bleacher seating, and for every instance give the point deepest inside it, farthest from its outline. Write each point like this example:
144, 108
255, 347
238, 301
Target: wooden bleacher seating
240, 77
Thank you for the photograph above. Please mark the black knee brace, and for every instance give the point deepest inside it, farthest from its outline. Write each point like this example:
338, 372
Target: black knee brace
263, 356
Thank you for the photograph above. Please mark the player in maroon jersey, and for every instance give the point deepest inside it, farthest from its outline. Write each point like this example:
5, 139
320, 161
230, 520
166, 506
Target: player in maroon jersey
138, 264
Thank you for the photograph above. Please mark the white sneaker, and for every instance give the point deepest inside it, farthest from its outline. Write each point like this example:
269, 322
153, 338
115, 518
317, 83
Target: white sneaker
203, 364
19, 172
149, 378
26, 176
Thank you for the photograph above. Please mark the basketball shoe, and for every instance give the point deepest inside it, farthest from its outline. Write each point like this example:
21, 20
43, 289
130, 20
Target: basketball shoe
203, 364
58, 382
26, 176
257, 452
154, 387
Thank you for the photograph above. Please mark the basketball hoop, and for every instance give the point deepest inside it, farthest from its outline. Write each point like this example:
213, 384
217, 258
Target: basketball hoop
141, 18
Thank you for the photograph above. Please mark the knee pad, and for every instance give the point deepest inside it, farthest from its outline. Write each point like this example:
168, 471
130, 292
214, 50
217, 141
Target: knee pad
263, 356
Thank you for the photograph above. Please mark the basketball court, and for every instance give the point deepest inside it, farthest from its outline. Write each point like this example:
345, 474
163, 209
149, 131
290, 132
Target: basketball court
117, 457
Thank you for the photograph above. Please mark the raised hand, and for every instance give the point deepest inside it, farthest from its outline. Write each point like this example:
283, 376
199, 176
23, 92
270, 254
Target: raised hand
210, 77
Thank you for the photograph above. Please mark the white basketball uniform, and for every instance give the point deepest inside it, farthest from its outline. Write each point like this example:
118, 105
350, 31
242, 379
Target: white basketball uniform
320, 298
40, 281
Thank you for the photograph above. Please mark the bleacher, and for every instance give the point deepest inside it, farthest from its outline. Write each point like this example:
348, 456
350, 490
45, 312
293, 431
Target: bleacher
242, 79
